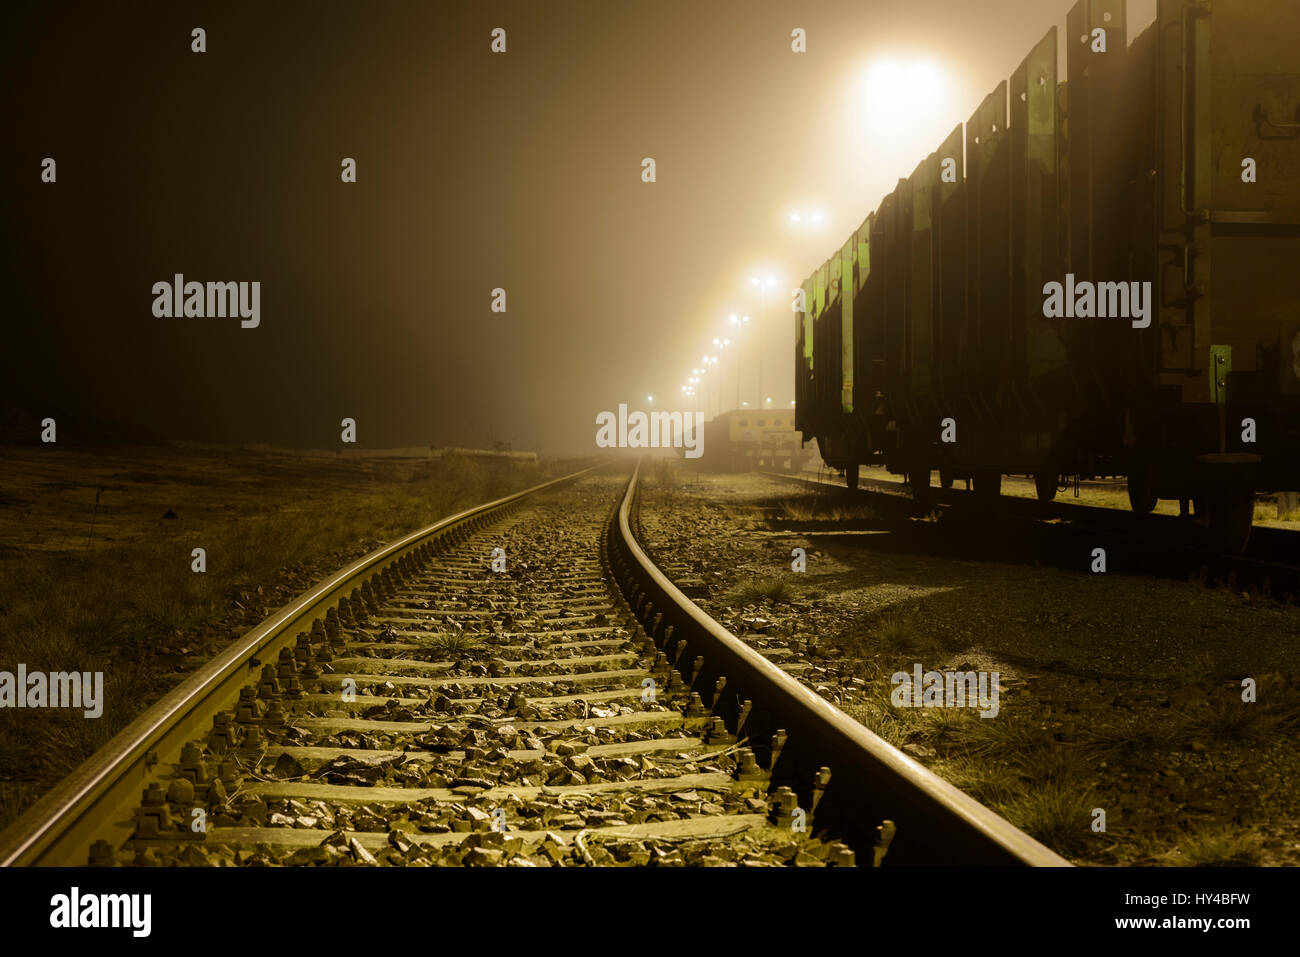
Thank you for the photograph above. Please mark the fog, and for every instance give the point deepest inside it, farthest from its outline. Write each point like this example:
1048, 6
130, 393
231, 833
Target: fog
475, 171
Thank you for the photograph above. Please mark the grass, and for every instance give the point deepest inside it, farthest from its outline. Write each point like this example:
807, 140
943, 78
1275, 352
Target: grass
940, 728
1042, 769
1057, 812
1113, 736
1226, 720
986, 782
753, 591
1012, 735
896, 632
813, 507
129, 607
1217, 846
892, 724
1009, 764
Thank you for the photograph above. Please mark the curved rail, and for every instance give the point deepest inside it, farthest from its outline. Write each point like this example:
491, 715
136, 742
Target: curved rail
848, 778
870, 780
60, 828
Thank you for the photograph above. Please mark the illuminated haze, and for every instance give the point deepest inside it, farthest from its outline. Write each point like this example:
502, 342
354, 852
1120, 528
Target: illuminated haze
475, 171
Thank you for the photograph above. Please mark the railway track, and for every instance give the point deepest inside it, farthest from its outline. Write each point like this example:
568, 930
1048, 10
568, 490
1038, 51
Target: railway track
1155, 544
516, 684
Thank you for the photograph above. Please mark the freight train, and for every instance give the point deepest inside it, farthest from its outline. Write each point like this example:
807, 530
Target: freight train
1097, 276
747, 439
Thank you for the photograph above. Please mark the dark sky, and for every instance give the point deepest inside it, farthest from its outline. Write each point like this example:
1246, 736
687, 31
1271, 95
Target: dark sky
475, 171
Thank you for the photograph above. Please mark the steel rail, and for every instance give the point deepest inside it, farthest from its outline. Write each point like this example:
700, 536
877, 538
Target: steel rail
97, 799
870, 780
1271, 556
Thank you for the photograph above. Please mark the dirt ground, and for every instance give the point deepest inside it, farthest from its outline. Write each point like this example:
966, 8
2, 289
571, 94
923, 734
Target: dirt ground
1122, 694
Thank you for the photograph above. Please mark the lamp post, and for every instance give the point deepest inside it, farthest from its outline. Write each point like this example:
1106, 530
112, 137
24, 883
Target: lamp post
764, 286
738, 323
722, 345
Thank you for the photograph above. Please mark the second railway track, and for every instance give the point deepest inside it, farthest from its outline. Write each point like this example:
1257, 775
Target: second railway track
517, 684
1154, 544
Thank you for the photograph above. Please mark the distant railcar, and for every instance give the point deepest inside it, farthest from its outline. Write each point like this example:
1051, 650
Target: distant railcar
743, 440
933, 338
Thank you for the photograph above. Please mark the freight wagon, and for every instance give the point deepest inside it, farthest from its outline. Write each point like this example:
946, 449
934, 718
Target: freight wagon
1095, 275
745, 439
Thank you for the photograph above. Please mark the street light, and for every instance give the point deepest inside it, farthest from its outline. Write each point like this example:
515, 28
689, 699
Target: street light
765, 283
806, 218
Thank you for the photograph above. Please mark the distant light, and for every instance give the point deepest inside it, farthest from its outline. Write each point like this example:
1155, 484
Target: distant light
726, 342
649, 398
753, 280
900, 105
746, 319
769, 398
794, 217
771, 281
744, 403
816, 217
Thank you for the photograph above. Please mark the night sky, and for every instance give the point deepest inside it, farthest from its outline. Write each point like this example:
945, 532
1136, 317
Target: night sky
475, 170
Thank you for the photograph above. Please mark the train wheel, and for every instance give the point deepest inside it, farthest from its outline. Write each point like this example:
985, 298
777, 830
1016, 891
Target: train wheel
851, 475
987, 484
1230, 515
1140, 496
1045, 484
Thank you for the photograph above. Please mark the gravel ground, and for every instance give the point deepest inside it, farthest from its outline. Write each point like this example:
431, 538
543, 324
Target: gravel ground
497, 718
1116, 694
